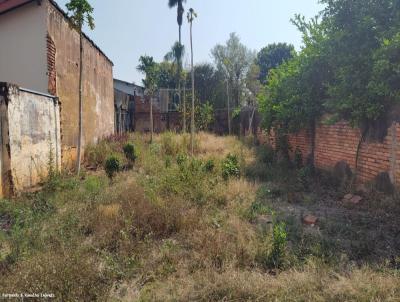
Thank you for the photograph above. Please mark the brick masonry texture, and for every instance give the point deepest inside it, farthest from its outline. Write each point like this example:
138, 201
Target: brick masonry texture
339, 142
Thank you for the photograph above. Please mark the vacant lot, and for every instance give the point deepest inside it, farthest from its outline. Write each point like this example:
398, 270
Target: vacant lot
225, 225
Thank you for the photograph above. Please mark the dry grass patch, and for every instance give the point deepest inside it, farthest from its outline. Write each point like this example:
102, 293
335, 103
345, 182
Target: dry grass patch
308, 284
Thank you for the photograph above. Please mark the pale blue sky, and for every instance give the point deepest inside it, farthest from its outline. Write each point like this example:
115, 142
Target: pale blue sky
127, 29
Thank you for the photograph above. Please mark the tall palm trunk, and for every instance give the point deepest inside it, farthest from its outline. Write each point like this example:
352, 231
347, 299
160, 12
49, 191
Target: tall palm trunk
179, 77
192, 120
180, 67
78, 167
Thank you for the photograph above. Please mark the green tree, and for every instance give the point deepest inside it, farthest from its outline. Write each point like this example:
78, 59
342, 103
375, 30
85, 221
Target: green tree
210, 85
358, 32
271, 57
234, 60
294, 95
149, 67
80, 14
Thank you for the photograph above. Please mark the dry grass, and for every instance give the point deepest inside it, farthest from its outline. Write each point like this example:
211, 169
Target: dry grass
309, 284
169, 233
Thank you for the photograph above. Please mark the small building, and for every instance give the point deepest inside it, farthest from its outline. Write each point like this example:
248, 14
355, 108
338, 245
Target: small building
124, 102
40, 51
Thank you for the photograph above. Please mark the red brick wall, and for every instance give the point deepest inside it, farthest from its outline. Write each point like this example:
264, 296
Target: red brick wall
51, 66
334, 143
160, 119
339, 142
301, 141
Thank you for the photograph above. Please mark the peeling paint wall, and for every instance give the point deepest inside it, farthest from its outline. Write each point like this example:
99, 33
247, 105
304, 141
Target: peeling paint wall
98, 92
30, 128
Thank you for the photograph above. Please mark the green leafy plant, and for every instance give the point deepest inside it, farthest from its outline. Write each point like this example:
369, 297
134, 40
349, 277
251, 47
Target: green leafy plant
209, 166
279, 242
204, 116
230, 167
130, 152
181, 159
112, 166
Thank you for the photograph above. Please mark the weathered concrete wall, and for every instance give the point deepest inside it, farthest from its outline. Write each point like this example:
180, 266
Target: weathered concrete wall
98, 92
30, 137
23, 47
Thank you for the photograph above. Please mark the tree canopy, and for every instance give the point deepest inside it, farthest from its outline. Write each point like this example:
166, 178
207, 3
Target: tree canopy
233, 60
81, 14
272, 56
348, 67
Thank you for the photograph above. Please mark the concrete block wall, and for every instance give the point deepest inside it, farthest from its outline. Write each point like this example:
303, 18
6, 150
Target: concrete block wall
30, 138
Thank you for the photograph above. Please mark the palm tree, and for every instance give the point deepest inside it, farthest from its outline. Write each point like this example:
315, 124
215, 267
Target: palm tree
81, 14
180, 11
191, 16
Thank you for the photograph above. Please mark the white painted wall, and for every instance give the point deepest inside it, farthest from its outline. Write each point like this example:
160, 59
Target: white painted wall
34, 137
23, 49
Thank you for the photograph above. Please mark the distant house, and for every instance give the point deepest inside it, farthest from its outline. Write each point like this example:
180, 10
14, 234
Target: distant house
40, 51
124, 102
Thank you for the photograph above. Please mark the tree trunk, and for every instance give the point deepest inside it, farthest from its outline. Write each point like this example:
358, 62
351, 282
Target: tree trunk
78, 166
151, 119
192, 120
229, 108
184, 109
251, 120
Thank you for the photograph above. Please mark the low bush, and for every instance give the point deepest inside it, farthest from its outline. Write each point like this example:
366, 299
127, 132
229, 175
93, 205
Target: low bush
230, 167
112, 166
209, 166
130, 152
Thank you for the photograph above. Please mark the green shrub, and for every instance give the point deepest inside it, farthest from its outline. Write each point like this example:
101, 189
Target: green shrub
278, 252
168, 161
181, 159
112, 166
230, 167
209, 166
303, 178
130, 152
272, 253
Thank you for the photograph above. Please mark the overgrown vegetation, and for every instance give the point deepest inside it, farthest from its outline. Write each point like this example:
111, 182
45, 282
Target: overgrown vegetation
184, 232
348, 68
